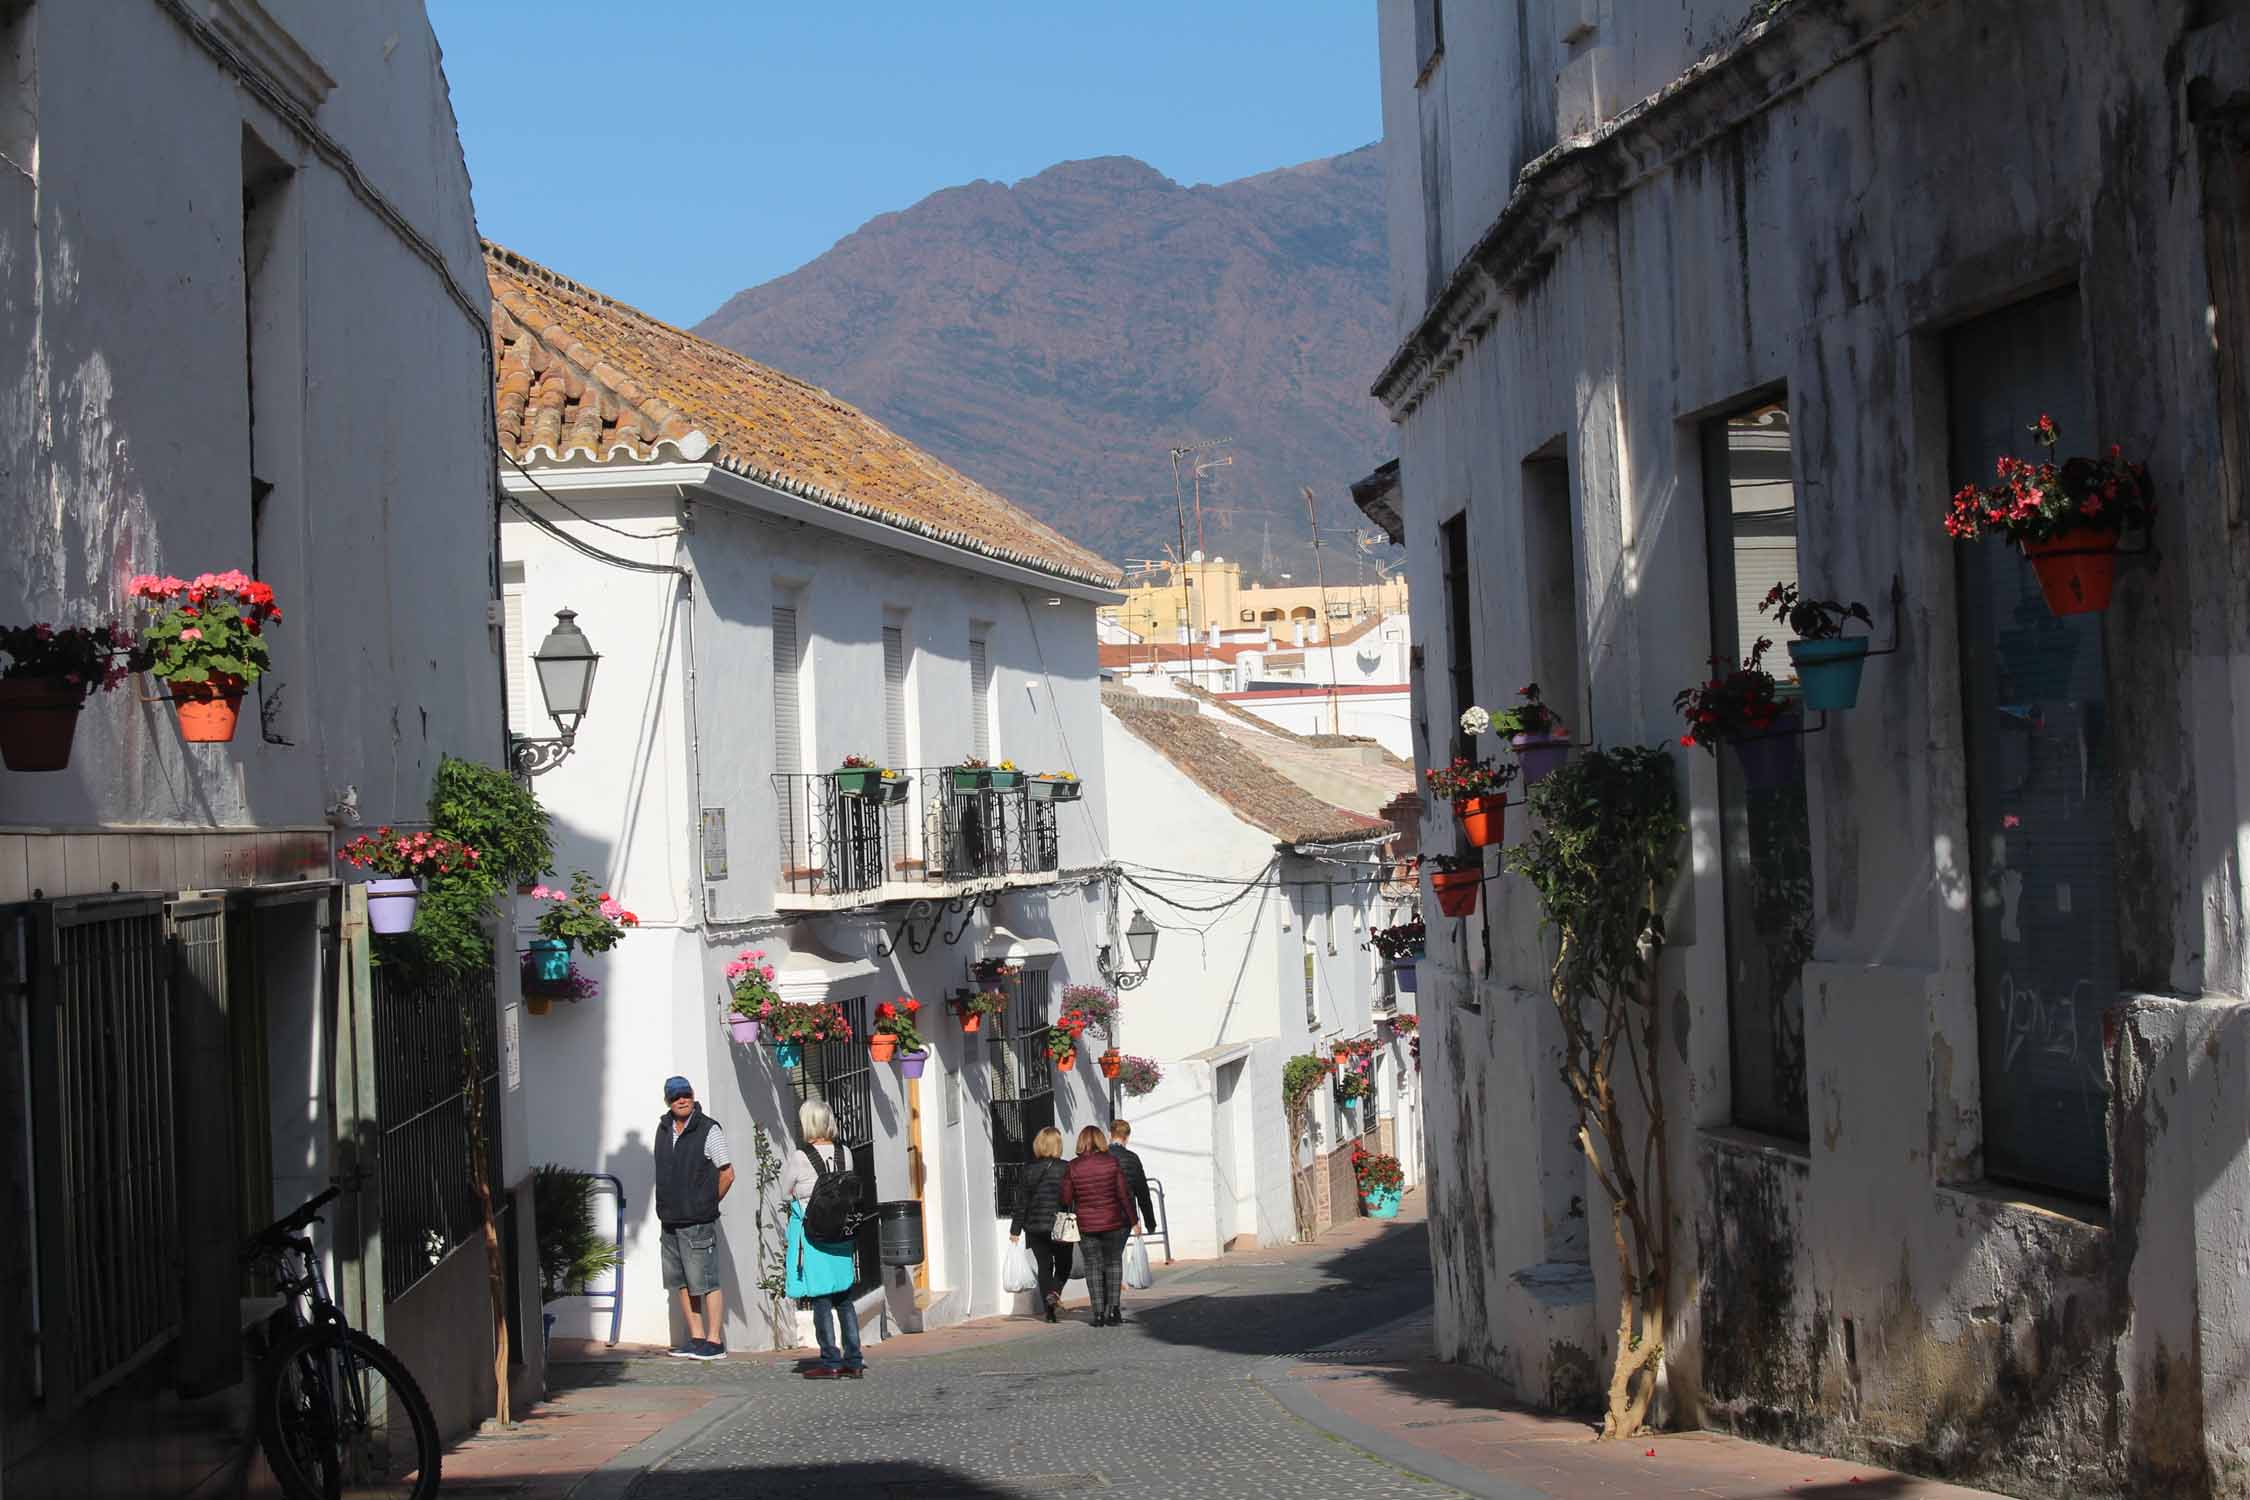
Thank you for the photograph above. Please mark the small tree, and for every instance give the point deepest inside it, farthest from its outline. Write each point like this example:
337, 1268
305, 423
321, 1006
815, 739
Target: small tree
1301, 1078
1602, 860
773, 1235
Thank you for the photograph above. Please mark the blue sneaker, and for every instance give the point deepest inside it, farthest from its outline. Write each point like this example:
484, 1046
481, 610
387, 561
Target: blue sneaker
706, 1349
686, 1350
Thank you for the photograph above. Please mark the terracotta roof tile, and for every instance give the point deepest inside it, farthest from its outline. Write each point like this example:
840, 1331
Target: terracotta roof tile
580, 376
1257, 793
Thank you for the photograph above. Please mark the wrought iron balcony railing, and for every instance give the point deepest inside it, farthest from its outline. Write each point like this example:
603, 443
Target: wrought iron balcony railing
845, 835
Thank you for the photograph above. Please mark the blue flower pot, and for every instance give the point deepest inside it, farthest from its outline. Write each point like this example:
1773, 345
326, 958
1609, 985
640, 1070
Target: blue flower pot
1829, 671
788, 1054
550, 960
1382, 1203
1772, 759
1403, 971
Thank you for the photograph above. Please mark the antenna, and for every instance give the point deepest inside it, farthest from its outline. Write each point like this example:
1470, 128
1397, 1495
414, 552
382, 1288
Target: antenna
1203, 467
1327, 626
1179, 501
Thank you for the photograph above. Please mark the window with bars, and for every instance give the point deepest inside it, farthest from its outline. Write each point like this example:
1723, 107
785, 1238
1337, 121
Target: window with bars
1460, 668
434, 1041
1023, 1085
839, 1074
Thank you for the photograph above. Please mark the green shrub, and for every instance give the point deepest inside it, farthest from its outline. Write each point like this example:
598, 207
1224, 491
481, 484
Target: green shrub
572, 1252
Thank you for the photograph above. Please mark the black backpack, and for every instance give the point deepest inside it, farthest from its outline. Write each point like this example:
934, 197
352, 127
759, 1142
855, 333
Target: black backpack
832, 1213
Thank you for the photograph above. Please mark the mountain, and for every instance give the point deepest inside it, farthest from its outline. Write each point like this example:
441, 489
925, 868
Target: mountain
1054, 339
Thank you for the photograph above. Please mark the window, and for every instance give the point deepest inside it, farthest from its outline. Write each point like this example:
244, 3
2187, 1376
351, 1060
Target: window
2041, 778
1429, 37
515, 656
896, 750
273, 380
839, 1074
19, 87
1551, 563
1023, 1085
1460, 668
1765, 835
980, 698
788, 728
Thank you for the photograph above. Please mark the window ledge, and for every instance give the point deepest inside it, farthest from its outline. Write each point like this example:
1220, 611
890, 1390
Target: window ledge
1988, 1196
1757, 1142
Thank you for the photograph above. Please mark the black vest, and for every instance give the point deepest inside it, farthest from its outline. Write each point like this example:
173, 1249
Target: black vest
687, 1185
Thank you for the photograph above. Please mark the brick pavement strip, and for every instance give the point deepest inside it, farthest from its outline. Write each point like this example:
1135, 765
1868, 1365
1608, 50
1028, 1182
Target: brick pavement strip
1300, 1369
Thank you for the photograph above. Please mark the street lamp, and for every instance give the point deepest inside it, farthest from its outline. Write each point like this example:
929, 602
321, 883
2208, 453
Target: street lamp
1140, 942
565, 661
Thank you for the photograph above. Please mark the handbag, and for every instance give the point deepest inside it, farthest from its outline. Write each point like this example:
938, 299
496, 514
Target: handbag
1065, 1231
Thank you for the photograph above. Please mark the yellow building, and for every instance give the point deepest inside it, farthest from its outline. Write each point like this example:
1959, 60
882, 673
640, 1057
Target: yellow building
1201, 594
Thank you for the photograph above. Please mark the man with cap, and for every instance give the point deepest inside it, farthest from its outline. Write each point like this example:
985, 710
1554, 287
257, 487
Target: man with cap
693, 1172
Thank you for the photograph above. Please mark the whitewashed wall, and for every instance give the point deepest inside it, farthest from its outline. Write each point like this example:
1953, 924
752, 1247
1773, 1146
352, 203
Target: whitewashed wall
1387, 718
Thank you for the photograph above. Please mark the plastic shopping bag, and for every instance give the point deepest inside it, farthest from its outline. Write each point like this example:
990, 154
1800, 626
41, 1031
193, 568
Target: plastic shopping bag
1137, 1274
1018, 1271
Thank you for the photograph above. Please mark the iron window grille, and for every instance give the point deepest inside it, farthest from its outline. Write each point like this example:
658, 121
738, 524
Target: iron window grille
430, 1036
839, 1074
1023, 1085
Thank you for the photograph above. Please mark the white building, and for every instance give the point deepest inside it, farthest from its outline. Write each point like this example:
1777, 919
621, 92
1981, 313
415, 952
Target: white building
1698, 297
240, 287
1276, 891
774, 582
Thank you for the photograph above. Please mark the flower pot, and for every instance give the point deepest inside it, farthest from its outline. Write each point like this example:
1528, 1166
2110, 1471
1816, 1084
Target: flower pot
1457, 891
391, 905
1068, 1060
788, 1054
857, 781
208, 709
1773, 759
37, 723
1054, 789
1484, 819
970, 778
972, 1021
1402, 970
911, 1064
1382, 1203
743, 1029
1829, 670
2075, 570
891, 791
880, 1046
1540, 755
1003, 780
1111, 1061
550, 959
536, 1004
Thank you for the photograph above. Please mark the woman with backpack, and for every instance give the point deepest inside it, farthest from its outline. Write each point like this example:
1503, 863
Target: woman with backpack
1038, 1200
1094, 1187
821, 1189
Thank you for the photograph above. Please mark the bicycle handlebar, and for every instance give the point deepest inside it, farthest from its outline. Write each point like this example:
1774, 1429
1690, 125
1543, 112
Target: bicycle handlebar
290, 1223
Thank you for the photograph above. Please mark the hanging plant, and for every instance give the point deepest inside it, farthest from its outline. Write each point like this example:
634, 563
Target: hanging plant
594, 921
973, 1007
49, 676
1138, 1076
894, 1031
1099, 1006
208, 642
1063, 1035
1401, 942
400, 863
1828, 662
2067, 518
752, 996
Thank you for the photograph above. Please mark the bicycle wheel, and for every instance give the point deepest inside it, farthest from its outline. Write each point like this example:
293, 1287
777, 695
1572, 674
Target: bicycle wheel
341, 1419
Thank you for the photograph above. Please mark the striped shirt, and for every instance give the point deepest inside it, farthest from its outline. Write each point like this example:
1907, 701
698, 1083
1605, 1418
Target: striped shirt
715, 1147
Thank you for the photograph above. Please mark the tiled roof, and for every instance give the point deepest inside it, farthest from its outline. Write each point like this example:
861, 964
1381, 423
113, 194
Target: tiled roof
582, 377
1141, 654
1255, 791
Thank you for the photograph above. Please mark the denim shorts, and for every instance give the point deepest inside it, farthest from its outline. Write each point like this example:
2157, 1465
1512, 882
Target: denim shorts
691, 1258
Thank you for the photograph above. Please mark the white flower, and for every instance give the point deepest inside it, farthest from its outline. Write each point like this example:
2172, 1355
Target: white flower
1475, 721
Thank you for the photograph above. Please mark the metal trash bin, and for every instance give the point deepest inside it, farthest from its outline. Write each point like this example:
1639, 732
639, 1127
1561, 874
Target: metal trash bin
900, 1232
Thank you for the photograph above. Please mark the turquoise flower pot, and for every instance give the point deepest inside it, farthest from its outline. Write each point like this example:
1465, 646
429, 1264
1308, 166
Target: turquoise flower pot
788, 1054
550, 960
1829, 671
1383, 1203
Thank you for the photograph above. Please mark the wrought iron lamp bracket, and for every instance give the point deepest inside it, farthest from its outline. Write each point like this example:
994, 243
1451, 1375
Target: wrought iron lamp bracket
528, 757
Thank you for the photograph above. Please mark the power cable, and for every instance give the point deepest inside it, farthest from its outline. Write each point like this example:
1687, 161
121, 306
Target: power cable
565, 505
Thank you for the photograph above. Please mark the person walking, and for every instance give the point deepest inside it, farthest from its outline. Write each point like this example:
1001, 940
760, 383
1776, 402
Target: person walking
1038, 1200
1094, 1188
693, 1172
1136, 1177
818, 1272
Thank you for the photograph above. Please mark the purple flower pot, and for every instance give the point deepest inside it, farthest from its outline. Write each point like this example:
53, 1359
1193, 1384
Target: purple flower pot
743, 1029
391, 905
1540, 754
1402, 970
1773, 759
911, 1064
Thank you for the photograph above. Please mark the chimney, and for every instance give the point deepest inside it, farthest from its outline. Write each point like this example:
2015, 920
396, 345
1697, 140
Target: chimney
1214, 635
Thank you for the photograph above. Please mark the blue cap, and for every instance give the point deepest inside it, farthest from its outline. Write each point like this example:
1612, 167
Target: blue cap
676, 1087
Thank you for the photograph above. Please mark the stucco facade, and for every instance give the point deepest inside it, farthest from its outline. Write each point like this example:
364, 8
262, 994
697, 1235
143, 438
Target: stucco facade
1960, 1208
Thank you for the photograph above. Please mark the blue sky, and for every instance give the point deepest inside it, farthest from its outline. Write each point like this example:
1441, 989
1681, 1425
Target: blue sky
673, 152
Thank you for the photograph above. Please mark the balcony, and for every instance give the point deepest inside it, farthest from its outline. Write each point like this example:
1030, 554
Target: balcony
856, 841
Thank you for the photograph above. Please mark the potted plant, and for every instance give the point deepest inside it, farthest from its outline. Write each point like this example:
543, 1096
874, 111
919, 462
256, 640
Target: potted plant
49, 676
1138, 1076
1742, 706
1062, 1038
988, 969
1401, 946
1538, 737
540, 993
753, 997
1478, 791
1406, 1023
894, 1031
400, 862
1828, 662
2066, 517
573, 1253
208, 644
973, 1006
971, 775
1381, 1183
859, 776
1055, 786
789, 1025
1005, 775
1455, 882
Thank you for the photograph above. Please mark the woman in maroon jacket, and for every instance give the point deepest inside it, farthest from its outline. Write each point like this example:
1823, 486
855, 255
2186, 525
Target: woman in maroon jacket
1094, 1188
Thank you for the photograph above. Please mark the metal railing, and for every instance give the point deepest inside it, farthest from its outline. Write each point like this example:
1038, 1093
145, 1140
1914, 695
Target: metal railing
429, 1036
844, 836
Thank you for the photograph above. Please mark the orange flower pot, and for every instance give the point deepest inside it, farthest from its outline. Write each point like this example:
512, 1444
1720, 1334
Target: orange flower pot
208, 709
1483, 819
1068, 1060
1112, 1060
2076, 570
537, 1004
37, 723
972, 1020
880, 1046
1457, 890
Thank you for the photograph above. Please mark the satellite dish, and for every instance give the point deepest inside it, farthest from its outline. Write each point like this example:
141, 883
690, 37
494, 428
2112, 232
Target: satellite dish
1196, 556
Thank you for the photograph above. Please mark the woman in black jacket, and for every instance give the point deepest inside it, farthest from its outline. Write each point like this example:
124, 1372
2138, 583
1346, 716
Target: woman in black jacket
1038, 1198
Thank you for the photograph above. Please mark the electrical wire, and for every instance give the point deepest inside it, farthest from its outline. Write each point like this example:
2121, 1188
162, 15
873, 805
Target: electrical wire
560, 503
588, 548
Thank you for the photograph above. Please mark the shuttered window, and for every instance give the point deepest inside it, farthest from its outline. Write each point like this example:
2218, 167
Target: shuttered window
788, 736
519, 664
980, 698
895, 750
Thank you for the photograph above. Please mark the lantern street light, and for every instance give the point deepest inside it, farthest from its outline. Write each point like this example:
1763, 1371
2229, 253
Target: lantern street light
1140, 942
565, 662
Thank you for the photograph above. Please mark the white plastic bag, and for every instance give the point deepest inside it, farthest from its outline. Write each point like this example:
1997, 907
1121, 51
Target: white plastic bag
1018, 1271
1137, 1274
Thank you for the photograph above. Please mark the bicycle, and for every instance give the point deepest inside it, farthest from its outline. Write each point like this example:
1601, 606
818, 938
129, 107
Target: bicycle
332, 1403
